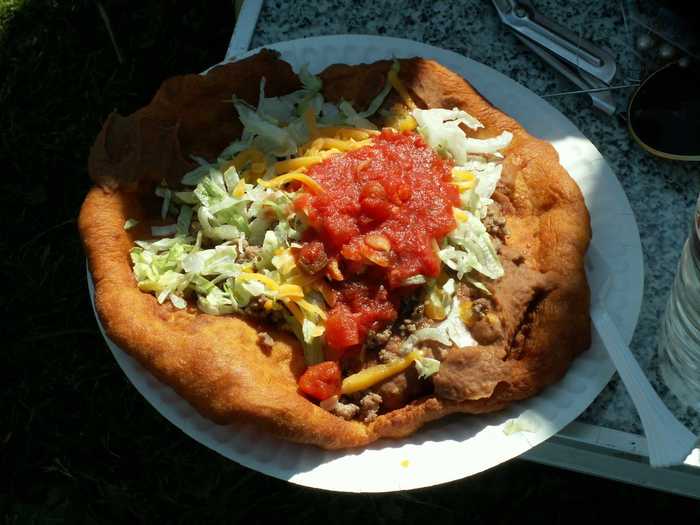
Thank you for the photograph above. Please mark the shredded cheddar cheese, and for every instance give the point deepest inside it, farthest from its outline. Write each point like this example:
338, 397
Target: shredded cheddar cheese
374, 374
329, 144
291, 165
299, 177
347, 133
292, 291
465, 312
463, 179
259, 277
303, 303
310, 121
251, 159
464, 185
296, 312
401, 89
459, 174
460, 215
434, 312
292, 295
239, 190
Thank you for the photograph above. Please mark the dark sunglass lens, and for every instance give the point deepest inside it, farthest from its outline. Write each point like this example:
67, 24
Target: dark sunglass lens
664, 113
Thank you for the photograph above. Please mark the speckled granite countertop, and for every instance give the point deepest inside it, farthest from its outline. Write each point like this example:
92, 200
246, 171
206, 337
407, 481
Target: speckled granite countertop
661, 193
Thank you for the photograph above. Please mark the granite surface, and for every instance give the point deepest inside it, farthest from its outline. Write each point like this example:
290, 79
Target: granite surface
662, 193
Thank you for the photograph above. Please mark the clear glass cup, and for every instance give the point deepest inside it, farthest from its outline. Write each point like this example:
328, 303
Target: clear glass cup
679, 335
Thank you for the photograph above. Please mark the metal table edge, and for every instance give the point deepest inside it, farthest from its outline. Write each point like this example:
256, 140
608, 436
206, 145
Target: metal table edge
616, 455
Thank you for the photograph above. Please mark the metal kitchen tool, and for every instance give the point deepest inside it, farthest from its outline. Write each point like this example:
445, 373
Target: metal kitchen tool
584, 64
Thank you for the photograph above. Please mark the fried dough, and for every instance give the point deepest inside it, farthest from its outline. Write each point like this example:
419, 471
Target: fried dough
216, 362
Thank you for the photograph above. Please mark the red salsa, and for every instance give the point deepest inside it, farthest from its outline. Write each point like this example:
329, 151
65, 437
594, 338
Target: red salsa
382, 211
359, 307
321, 381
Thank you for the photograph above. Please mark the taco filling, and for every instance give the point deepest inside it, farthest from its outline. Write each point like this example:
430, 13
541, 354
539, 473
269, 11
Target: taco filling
373, 246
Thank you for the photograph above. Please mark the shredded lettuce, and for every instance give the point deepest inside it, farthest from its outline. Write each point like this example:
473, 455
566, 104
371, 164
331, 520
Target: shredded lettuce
454, 326
448, 332
415, 280
427, 366
525, 422
441, 130
352, 118
166, 195
269, 246
313, 349
262, 133
487, 174
310, 82
490, 145
183, 220
130, 223
439, 298
217, 302
311, 330
470, 249
163, 231
233, 149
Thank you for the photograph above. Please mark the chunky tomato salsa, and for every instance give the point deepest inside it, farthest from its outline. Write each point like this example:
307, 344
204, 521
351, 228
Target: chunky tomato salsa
376, 224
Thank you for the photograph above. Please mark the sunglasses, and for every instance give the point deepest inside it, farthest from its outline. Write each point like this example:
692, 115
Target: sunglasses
663, 114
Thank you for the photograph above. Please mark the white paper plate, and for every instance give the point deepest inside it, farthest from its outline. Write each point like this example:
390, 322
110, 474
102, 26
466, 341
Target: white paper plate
458, 446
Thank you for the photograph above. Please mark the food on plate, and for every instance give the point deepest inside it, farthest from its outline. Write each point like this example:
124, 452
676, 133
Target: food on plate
336, 258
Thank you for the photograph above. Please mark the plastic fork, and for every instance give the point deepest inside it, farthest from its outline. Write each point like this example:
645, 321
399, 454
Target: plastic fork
669, 442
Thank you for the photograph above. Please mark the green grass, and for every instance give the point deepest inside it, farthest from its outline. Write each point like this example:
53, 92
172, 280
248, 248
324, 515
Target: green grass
78, 444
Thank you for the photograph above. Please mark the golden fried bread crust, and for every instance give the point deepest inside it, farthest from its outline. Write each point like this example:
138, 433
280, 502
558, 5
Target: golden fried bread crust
216, 362
189, 115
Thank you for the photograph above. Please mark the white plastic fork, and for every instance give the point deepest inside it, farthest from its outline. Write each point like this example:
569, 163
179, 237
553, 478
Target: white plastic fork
244, 28
669, 441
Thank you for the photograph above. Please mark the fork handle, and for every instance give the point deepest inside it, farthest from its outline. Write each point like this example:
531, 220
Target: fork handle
668, 441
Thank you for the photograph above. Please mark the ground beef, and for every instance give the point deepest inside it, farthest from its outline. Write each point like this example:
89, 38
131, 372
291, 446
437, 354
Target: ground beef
480, 307
387, 356
247, 252
418, 313
353, 362
408, 305
413, 321
256, 306
495, 224
345, 410
377, 339
312, 257
252, 252
407, 327
370, 404
391, 351
401, 389
256, 309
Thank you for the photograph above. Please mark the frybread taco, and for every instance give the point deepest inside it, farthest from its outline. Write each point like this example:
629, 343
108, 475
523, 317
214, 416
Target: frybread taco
337, 258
